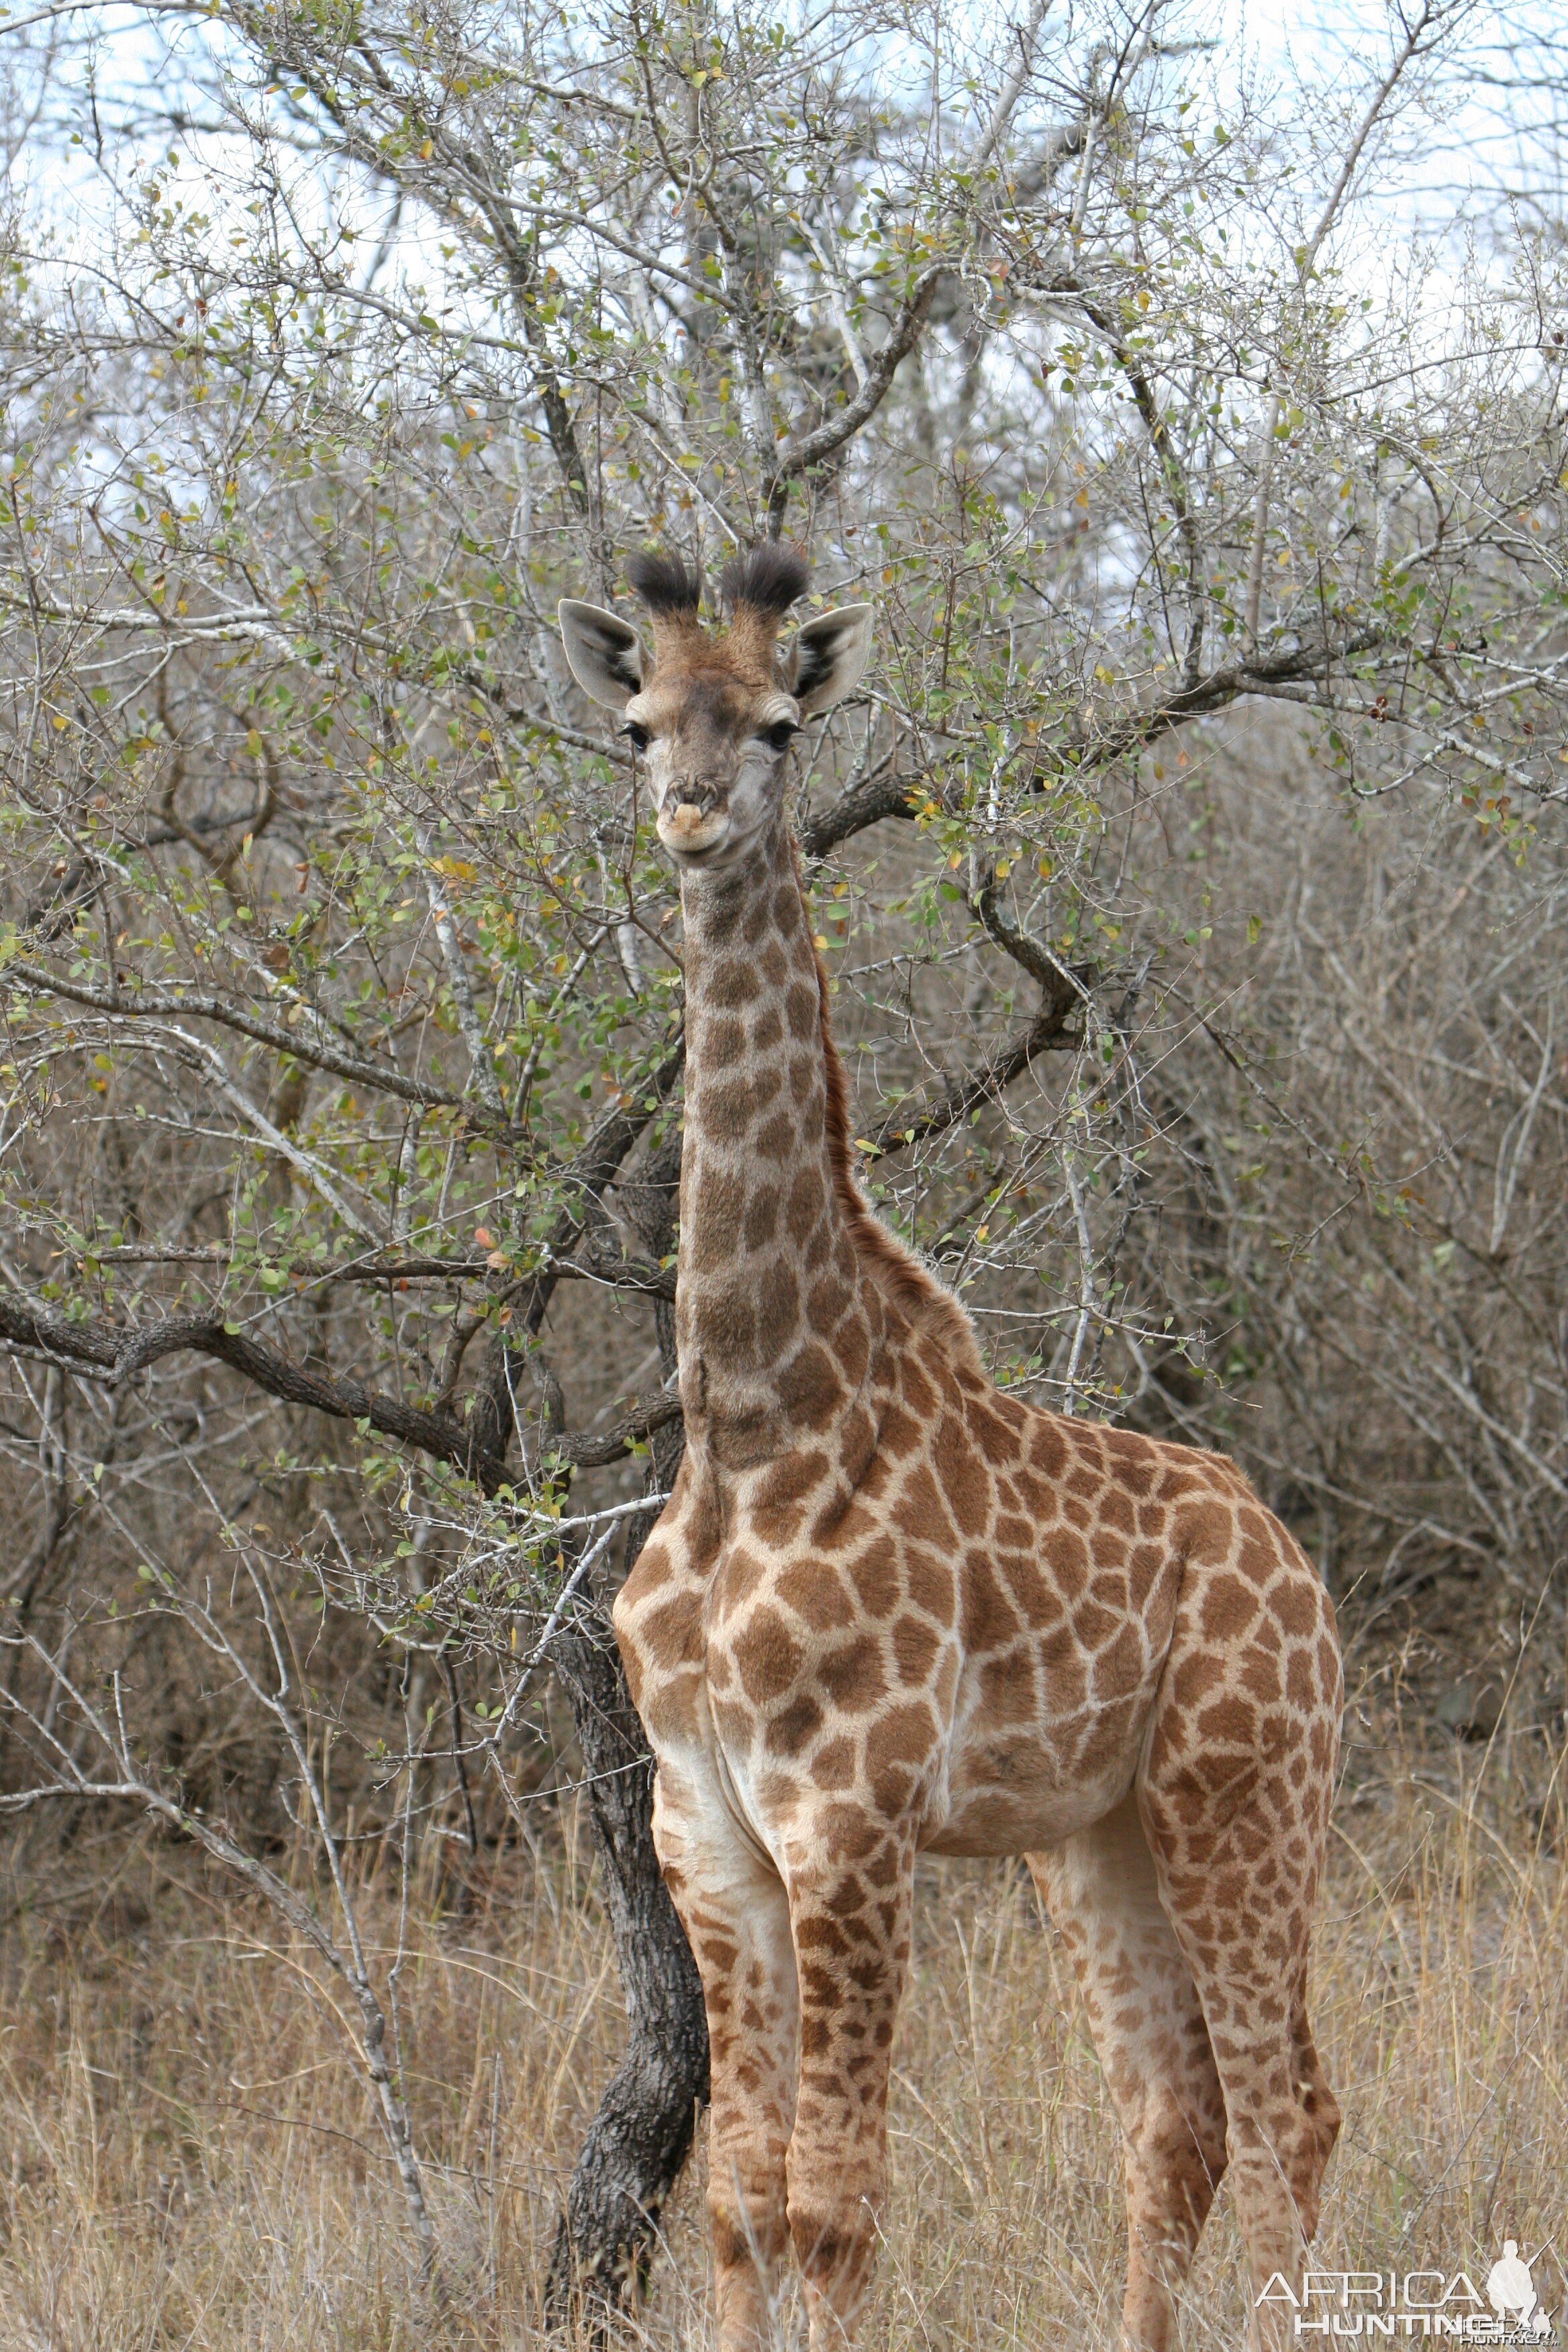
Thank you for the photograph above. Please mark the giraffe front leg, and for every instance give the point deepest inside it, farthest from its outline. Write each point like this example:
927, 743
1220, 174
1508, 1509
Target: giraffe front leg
851, 1926
733, 1906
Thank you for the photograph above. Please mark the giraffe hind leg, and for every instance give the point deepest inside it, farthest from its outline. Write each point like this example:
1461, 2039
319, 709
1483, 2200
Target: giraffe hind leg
1238, 1885
1100, 1889
1316, 2099
1283, 2116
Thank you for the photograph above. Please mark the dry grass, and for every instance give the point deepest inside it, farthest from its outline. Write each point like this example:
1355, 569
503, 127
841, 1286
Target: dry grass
193, 2163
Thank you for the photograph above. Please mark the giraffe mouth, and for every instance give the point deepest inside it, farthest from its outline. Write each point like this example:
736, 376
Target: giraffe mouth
692, 834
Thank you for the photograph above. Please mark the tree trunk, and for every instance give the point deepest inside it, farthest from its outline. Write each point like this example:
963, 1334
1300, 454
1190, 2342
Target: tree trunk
641, 2135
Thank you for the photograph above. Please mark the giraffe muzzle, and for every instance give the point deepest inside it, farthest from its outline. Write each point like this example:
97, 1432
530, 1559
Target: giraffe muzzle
691, 827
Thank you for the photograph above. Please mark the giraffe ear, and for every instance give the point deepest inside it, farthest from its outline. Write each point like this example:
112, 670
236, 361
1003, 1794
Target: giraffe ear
829, 656
605, 654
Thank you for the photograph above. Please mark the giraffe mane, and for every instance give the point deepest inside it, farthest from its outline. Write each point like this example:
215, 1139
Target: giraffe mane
896, 1272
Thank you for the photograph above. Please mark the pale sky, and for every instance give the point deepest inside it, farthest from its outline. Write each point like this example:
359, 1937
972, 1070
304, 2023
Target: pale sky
1457, 162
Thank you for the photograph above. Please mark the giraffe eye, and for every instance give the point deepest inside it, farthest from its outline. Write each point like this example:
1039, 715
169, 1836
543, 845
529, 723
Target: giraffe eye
635, 735
779, 736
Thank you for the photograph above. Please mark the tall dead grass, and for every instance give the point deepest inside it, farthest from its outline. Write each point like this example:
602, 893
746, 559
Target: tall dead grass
191, 2160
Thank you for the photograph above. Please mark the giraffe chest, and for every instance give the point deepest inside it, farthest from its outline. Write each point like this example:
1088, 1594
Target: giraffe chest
959, 1644
957, 1690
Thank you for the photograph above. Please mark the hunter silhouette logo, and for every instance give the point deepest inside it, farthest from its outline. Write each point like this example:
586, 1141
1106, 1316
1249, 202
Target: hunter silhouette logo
1511, 2290
1418, 2306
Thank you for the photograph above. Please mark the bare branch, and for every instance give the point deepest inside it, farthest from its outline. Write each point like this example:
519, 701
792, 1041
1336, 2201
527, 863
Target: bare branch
193, 1005
98, 1348
813, 448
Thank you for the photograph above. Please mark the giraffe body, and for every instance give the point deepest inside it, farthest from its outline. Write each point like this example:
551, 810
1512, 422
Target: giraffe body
890, 1609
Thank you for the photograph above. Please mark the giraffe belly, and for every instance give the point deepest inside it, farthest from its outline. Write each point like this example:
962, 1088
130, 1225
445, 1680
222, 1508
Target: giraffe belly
1047, 1730
1022, 1796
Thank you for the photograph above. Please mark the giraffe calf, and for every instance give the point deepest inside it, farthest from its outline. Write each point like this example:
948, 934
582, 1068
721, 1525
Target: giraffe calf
891, 1609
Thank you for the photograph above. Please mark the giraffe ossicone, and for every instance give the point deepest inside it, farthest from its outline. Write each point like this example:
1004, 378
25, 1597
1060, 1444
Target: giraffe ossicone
890, 1609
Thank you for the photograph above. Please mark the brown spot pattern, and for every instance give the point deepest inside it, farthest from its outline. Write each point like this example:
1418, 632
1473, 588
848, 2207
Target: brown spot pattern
889, 1607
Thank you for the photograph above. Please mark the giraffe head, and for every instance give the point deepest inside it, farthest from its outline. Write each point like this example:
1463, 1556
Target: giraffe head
715, 711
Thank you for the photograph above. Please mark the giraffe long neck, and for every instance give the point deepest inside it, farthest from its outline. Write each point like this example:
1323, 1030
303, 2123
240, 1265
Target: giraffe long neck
777, 1324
